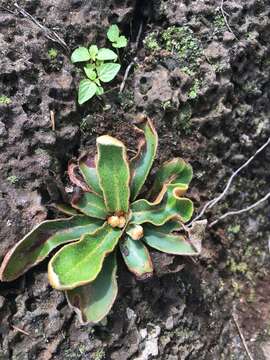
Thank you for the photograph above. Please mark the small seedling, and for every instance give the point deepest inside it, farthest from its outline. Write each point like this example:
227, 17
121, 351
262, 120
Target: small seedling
101, 65
117, 40
106, 213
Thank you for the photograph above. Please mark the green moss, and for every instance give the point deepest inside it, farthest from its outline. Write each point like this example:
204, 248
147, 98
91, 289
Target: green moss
250, 87
181, 40
41, 152
188, 71
219, 67
240, 267
151, 43
234, 229
219, 22
178, 40
252, 251
69, 354
252, 296
193, 91
184, 117
52, 53
266, 62
183, 333
237, 287
251, 35
4, 100
180, 43
82, 348
99, 354
167, 105
13, 179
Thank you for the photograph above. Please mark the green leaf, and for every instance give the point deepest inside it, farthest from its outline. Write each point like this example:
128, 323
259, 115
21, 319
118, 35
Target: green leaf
106, 54
107, 72
92, 302
66, 209
100, 90
120, 42
98, 83
136, 257
175, 171
87, 166
87, 90
90, 66
170, 206
79, 263
75, 177
90, 73
39, 242
90, 204
93, 50
113, 33
113, 173
170, 226
80, 54
171, 243
141, 164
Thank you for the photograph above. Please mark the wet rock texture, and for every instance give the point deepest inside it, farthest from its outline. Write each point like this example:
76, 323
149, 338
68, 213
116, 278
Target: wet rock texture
206, 86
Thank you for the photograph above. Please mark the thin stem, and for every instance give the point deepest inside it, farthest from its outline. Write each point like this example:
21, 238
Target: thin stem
242, 336
214, 201
133, 62
237, 212
225, 14
51, 35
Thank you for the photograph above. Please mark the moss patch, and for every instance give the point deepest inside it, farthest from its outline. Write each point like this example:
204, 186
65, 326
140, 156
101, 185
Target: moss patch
13, 179
179, 40
193, 91
99, 354
219, 22
4, 100
52, 53
184, 117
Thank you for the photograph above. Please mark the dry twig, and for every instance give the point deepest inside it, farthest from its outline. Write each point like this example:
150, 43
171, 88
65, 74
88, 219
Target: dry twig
237, 212
138, 36
6, 9
50, 34
20, 330
52, 116
214, 201
225, 14
234, 316
133, 62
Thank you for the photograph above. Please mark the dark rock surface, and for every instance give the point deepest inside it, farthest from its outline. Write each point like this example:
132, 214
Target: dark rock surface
208, 92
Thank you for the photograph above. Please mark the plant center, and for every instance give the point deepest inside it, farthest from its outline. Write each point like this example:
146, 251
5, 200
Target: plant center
117, 221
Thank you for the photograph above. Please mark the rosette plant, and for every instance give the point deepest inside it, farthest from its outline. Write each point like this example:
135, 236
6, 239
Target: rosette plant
105, 213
